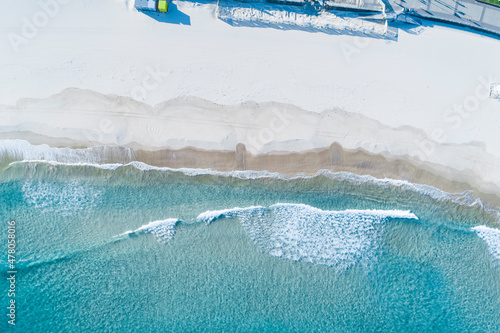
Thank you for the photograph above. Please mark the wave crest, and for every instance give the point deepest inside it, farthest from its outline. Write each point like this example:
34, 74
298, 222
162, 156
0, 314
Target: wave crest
164, 230
211, 215
300, 232
491, 237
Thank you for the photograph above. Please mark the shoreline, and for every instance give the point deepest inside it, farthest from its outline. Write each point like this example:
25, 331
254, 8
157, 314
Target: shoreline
334, 159
197, 133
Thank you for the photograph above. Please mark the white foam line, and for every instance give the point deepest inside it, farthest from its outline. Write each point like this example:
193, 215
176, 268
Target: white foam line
404, 214
465, 198
126, 233
395, 213
163, 229
22, 150
155, 224
211, 215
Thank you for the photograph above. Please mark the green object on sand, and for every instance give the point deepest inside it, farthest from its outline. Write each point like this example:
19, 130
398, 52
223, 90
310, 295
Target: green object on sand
163, 6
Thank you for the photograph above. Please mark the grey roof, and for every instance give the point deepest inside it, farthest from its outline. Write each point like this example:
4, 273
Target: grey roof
145, 4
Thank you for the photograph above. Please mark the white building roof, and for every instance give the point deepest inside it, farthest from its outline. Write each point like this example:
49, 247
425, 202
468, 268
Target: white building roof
145, 4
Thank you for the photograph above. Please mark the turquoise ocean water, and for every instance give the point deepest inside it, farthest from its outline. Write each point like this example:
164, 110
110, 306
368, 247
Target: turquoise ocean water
137, 249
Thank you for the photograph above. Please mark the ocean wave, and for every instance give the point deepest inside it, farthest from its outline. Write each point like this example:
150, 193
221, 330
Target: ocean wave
114, 158
300, 232
465, 198
37, 260
21, 150
491, 237
212, 215
164, 230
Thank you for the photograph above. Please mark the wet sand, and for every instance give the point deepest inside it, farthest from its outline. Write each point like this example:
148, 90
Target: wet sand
334, 158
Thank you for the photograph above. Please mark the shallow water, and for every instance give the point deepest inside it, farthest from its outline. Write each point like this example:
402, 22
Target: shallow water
136, 249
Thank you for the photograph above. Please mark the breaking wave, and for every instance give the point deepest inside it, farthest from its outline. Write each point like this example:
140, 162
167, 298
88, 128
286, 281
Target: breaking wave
300, 232
212, 215
491, 237
164, 230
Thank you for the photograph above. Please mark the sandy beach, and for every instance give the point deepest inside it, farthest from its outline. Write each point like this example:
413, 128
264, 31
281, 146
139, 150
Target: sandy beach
193, 133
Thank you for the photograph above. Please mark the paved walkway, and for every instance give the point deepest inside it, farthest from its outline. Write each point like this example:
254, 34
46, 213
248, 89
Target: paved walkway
469, 13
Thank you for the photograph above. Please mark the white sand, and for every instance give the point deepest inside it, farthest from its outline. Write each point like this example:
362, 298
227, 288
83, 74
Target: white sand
103, 46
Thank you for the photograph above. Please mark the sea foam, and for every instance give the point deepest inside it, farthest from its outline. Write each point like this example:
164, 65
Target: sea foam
21, 150
300, 232
67, 198
212, 215
491, 237
164, 230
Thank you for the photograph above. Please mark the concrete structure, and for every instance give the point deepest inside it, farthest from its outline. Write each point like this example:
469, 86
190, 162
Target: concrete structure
362, 5
467, 13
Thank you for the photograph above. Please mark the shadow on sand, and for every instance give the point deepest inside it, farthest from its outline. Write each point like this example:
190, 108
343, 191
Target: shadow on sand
391, 35
174, 16
428, 23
